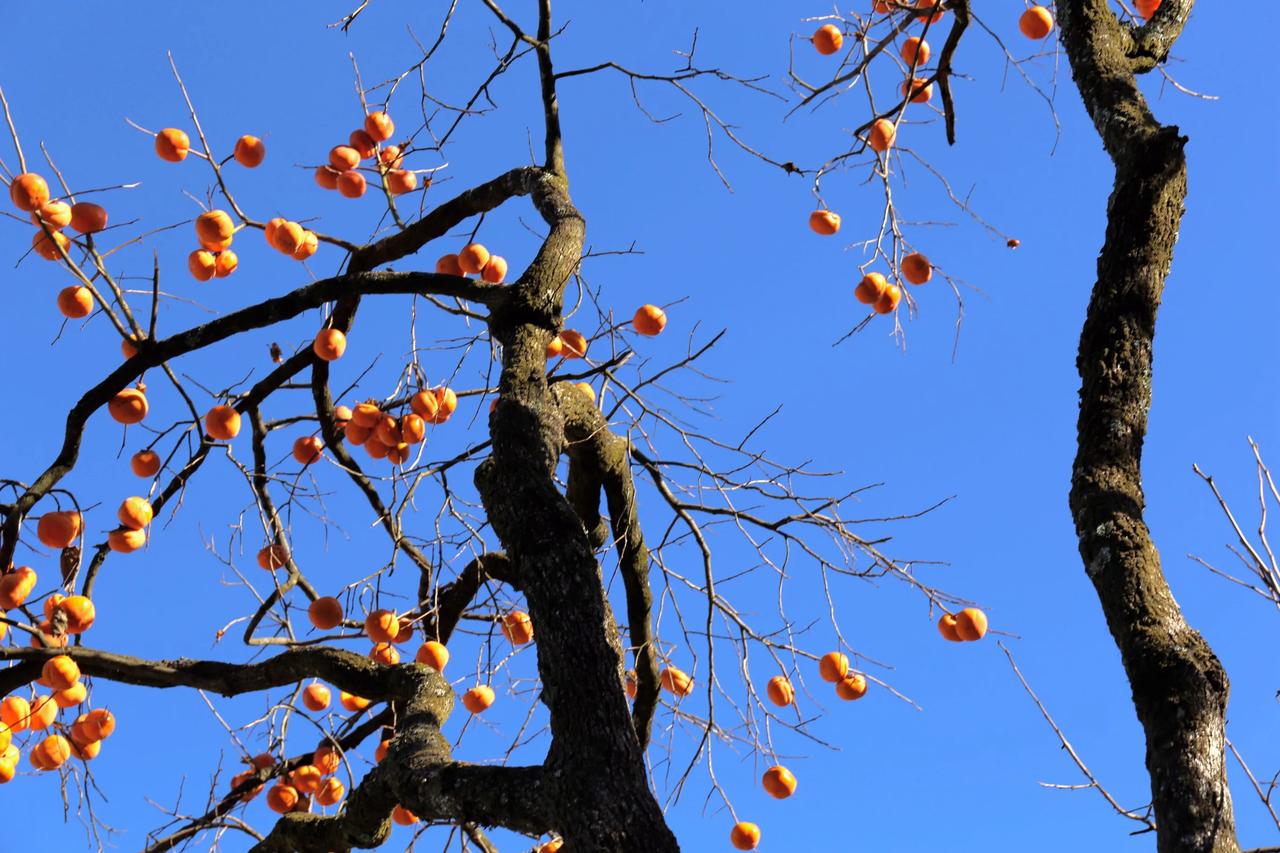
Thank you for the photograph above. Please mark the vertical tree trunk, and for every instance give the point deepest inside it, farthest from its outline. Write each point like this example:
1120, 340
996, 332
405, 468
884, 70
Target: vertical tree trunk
1179, 686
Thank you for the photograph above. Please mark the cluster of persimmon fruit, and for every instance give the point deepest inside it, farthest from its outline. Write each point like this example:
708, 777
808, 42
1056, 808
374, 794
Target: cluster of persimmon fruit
1035, 23
342, 172
51, 743
385, 629
29, 193
967, 625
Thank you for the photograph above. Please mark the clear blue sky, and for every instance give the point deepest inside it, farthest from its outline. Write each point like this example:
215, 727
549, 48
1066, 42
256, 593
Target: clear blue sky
993, 427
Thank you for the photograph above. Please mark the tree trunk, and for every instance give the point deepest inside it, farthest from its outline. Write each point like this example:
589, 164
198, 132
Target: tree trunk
1179, 686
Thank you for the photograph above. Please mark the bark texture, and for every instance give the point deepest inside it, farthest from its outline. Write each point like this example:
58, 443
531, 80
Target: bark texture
1179, 686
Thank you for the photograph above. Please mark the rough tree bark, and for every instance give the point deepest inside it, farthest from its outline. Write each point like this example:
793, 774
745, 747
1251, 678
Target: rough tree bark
1179, 686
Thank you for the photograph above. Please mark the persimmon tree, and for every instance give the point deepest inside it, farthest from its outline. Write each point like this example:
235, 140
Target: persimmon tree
570, 466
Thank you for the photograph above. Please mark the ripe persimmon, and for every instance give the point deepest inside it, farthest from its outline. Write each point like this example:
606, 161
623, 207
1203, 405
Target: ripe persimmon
828, 39
352, 702
310, 244
329, 344
72, 696
145, 463
472, 258
779, 782
88, 218
916, 268
15, 713
852, 686
1147, 8
172, 145
446, 403
517, 627
135, 513
282, 798
448, 265
575, 344
413, 428
824, 222
125, 541
54, 752
325, 612
379, 126
362, 143
351, 184
495, 270
286, 237
1036, 23
242, 778
215, 227
273, 556
833, 666
780, 691
921, 89
744, 836
929, 4
401, 181
129, 406
676, 681
55, 214
58, 529
15, 586
391, 157
888, 300
387, 430
222, 422
384, 653
649, 320
99, 724
250, 151
306, 779
79, 612
50, 249
331, 792
60, 672
28, 191
882, 135
355, 433
403, 817
202, 264
315, 696
971, 624
915, 52
344, 158
326, 178
226, 263
75, 301
381, 626
478, 698
947, 628
307, 449
43, 712
433, 654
